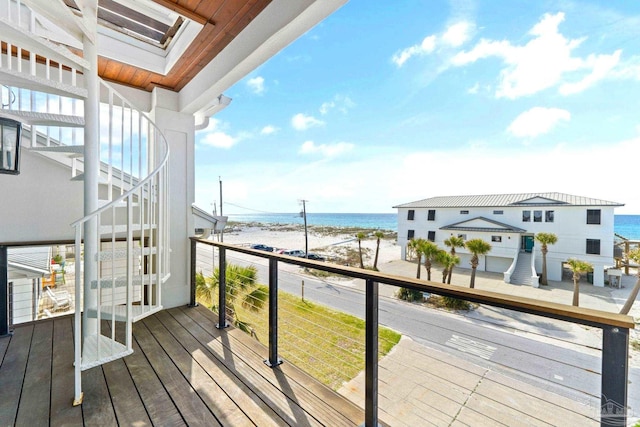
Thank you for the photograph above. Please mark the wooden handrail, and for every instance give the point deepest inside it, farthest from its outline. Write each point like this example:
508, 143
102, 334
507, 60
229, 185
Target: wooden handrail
580, 315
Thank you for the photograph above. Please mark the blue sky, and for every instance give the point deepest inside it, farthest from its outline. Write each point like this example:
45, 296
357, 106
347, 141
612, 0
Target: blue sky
385, 103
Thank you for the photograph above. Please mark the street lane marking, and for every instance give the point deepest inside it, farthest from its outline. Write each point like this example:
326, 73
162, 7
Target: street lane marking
470, 346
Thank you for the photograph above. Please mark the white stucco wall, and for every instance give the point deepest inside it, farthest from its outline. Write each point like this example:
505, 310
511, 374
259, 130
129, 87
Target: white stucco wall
179, 130
41, 202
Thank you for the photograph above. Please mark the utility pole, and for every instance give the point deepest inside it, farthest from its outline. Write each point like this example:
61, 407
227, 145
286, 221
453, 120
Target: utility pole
221, 231
303, 214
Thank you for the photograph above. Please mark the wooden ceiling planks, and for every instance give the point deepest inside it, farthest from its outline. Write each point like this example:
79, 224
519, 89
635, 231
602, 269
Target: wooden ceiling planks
224, 20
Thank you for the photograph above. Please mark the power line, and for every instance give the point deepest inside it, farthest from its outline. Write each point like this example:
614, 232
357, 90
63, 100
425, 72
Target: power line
250, 209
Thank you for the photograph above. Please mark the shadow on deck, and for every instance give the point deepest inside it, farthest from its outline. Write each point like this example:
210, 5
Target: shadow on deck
183, 371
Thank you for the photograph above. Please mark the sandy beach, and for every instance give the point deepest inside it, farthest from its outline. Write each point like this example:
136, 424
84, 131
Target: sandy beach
331, 242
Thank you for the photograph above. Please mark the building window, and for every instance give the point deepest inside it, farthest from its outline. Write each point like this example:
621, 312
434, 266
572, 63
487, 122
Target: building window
593, 216
431, 236
496, 238
537, 216
526, 216
593, 246
498, 212
464, 212
431, 215
462, 236
411, 234
410, 214
548, 216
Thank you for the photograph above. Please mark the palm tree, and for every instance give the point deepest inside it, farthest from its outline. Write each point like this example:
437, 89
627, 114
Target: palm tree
416, 245
545, 239
453, 242
447, 261
379, 235
241, 287
476, 247
578, 267
430, 251
633, 255
360, 236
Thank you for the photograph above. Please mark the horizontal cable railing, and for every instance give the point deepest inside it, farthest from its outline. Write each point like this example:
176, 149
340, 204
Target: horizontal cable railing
287, 316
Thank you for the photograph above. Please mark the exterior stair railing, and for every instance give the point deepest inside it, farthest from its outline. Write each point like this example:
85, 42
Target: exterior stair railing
43, 87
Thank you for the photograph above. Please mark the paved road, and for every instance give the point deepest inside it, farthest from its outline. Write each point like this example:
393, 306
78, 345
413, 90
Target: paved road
560, 366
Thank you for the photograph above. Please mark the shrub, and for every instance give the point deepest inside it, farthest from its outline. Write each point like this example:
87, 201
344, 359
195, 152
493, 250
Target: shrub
409, 295
455, 303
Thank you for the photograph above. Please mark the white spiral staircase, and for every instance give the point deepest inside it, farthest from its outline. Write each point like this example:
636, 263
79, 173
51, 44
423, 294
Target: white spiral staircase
43, 87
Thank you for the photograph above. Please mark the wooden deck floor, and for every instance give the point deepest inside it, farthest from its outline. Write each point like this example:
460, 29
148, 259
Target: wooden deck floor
184, 371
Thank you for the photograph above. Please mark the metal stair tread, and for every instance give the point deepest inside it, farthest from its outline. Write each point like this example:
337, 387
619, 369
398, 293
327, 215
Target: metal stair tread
108, 282
99, 349
138, 312
121, 253
80, 177
43, 119
34, 43
76, 149
40, 84
122, 228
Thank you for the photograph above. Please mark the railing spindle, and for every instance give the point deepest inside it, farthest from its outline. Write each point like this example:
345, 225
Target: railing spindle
273, 360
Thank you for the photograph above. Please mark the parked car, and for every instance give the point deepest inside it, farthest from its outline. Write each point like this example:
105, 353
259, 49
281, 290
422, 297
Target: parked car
262, 247
294, 252
315, 257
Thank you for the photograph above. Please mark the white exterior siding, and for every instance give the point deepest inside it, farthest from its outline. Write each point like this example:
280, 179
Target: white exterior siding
505, 222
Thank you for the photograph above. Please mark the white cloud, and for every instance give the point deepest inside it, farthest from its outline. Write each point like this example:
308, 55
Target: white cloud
268, 130
454, 36
457, 34
427, 46
544, 62
303, 122
256, 85
340, 102
326, 150
281, 184
537, 121
213, 136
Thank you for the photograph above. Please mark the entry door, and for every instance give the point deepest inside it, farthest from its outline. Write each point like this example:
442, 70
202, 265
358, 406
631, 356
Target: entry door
527, 243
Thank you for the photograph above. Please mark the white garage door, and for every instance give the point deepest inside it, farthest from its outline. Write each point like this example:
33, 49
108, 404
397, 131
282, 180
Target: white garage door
498, 264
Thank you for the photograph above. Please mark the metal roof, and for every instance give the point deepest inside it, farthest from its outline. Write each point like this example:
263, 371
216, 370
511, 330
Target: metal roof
506, 200
498, 226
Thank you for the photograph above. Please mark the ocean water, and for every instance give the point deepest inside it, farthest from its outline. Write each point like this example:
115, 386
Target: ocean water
627, 226
374, 221
624, 225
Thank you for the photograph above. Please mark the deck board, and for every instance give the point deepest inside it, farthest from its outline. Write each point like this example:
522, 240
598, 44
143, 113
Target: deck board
261, 413
193, 409
62, 381
37, 379
128, 407
158, 403
183, 371
226, 411
327, 407
12, 373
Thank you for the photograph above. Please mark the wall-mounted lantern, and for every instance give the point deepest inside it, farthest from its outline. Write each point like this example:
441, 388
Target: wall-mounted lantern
10, 131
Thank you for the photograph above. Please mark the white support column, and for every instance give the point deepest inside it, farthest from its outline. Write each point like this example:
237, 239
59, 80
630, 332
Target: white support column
91, 161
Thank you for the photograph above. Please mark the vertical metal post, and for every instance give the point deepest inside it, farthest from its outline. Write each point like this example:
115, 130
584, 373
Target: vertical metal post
4, 292
273, 314
615, 374
371, 355
222, 290
192, 291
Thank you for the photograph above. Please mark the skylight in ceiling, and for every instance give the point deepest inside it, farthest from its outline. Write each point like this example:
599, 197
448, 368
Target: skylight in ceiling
142, 20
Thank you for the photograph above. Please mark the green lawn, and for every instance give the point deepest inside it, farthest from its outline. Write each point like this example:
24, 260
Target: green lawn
323, 342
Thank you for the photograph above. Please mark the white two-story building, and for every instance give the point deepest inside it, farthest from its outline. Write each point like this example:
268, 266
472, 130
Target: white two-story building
509, 222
